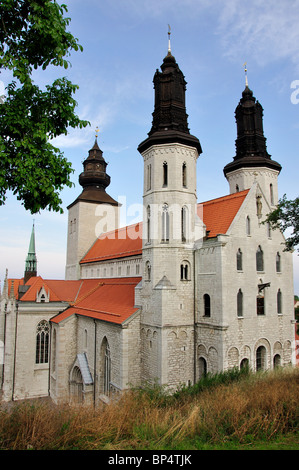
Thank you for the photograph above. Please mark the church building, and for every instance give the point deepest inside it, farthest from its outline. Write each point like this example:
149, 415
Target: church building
195, 287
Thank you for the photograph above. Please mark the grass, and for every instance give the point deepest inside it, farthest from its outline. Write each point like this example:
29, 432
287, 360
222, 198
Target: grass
233, 410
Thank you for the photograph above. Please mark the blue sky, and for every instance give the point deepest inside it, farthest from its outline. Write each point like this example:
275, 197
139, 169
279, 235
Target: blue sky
124, 43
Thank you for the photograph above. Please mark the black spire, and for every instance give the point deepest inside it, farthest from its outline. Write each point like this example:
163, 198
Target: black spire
251, 149
94, 178
170, 120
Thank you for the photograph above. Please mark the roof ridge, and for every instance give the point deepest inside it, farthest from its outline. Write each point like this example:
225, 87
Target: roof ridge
227, 196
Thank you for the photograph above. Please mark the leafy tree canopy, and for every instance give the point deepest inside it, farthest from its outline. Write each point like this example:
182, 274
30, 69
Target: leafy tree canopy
284, 217
33, 35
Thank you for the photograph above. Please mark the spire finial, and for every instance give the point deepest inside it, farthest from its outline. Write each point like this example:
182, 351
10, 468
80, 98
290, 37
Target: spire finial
97, 132
169, 33
246, 79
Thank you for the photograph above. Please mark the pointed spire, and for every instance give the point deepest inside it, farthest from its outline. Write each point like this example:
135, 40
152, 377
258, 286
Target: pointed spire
31, 260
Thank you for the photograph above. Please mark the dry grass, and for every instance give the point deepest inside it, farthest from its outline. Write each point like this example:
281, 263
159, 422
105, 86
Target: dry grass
259, 407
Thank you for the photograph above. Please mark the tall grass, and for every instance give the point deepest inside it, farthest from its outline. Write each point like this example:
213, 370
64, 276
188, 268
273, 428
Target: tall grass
228, 407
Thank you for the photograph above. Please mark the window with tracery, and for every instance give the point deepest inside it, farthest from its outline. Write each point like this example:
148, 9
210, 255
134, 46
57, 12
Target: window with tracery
42, 343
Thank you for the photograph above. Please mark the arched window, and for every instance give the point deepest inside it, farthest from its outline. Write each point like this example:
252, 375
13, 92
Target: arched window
239, 260
184, 218
165, 223
240, 303
261, 358
185, 271
237, 188
107, 369
184, 175
248, 228
279, 301
244, 364
165, 174
207, 305
53, 353
259, 259
42, 343
149, 176
278, 263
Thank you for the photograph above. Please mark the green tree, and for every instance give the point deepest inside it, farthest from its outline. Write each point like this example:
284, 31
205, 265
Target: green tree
284, 217
33, 35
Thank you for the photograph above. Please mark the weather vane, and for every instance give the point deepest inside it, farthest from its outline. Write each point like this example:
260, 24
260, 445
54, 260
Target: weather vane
246, 79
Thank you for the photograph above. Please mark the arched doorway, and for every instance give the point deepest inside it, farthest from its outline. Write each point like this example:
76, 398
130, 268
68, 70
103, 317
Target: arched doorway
76, 384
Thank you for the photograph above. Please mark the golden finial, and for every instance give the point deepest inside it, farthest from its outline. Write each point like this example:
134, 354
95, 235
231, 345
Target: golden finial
169, 33
97, 132
246, 79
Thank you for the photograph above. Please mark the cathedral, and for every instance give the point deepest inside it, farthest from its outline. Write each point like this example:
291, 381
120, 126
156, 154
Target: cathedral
195, 288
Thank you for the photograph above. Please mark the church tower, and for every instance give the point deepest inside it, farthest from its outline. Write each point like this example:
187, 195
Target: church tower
252, 161
31, 260
170, 155
93, 212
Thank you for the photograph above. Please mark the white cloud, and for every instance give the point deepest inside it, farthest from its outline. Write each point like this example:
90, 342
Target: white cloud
266, 30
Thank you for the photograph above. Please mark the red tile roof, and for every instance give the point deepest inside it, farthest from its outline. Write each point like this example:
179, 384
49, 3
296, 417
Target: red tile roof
219, 213
126, 241
111, 300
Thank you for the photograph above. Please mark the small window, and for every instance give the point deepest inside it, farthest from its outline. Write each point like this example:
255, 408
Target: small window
149, 176
207, 305
240, 303
279, 301
239, 260
185, 271
248, 228
148, 224
165, 174
259, 259
278, 262
271, 194
184, 175
165, 223
260, 305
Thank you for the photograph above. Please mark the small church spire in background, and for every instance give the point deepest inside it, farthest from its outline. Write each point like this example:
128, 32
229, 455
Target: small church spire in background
246, 79
169, 45
31, 260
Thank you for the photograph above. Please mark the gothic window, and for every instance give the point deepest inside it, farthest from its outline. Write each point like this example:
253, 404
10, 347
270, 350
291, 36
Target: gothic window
165, 174
85, 338
278, 262
248, 228
207, 305
259, 259
268, 230
237, 188
260, 305
276, 361
279, 301
261, 357
107, 368
42, 343
165, 223
240, 303
185, 271
239, 260
184, 219
53, 354
184, 175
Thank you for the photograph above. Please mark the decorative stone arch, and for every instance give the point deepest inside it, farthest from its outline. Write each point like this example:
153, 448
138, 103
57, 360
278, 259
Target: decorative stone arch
287, 352
81, 381
262, 354
213, 360
233, 357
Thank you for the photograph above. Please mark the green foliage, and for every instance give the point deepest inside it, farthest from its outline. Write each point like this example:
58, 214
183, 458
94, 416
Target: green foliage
33, 35
286, 216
